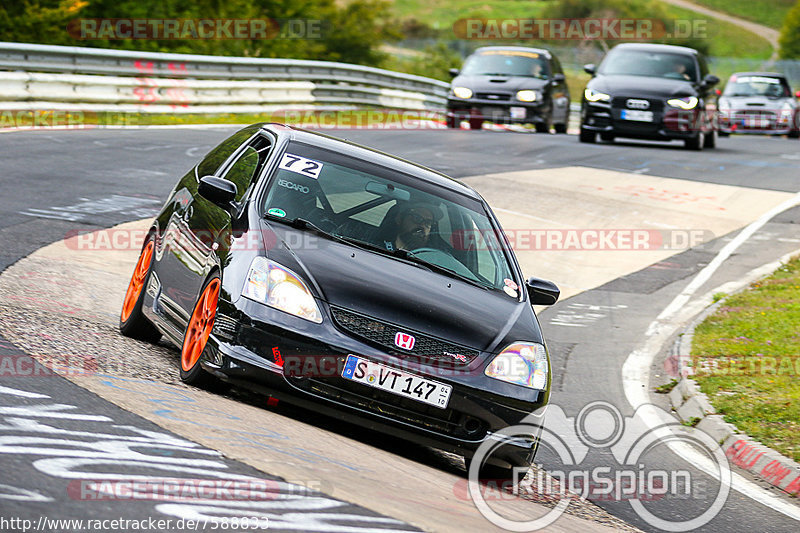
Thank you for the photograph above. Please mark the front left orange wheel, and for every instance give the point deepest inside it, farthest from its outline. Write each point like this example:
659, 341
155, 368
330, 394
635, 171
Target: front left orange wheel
132, 323
197, 333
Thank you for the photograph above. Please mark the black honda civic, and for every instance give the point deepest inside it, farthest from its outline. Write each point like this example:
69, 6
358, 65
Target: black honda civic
650, 91
350, 282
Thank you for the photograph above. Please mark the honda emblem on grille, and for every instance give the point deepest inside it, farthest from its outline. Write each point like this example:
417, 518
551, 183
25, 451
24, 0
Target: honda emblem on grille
404, 340
634, 103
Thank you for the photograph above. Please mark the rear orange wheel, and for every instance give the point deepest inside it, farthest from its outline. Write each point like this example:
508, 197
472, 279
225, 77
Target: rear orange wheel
132, 322
198, 331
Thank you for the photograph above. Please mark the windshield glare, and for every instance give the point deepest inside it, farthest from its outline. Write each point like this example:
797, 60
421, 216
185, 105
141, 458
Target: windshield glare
651, 64
757, 86
357, 200
506, 63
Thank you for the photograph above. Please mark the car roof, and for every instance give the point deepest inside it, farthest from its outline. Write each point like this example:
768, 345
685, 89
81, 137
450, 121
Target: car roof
542, 51
371, 155
657, 48
765, 74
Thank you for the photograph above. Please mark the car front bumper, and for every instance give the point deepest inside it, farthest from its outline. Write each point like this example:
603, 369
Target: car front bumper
503, 112
666, 123
307, 373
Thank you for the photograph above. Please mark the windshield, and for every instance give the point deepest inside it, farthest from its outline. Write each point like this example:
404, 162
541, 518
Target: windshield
651, 64
757, 86
390, 212
506, 63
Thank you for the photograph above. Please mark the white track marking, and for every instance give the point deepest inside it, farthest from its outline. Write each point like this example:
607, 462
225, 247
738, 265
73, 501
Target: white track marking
635, 370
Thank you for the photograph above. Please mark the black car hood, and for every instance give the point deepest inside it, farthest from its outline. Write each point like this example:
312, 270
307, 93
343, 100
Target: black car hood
757, 102
390, 290
642, 86
488, 84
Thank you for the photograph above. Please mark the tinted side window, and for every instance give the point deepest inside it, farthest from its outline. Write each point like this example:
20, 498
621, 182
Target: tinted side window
217, 156
246, 167
557, 66
703, 66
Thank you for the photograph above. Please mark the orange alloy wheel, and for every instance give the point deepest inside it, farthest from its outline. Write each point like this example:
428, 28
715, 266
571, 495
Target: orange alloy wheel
200, 325
137, 281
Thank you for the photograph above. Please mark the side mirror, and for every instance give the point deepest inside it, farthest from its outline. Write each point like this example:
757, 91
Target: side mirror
542, 292
589, 69
453, 72
710, 80
218, 191
559, 78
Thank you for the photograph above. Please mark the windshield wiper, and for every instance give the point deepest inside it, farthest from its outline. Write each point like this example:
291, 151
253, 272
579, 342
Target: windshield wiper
411, 256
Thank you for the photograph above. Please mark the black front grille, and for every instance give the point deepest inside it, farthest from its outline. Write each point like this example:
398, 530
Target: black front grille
500, 97
383, 334
621, 102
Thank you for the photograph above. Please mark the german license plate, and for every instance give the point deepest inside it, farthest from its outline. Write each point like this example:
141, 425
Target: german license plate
755, 122
396, 381
635, 114
517, 112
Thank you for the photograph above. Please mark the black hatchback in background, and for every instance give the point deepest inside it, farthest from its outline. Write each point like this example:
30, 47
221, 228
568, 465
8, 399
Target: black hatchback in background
650, 91
759, 102
510, 85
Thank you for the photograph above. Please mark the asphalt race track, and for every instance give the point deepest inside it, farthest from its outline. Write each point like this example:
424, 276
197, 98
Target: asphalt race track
56, 182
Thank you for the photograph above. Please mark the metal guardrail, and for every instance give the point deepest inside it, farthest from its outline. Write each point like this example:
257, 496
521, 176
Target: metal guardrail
103, 79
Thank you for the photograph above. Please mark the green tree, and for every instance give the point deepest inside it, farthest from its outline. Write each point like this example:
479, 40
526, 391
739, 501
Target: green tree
41, 21
790, 34
352, 32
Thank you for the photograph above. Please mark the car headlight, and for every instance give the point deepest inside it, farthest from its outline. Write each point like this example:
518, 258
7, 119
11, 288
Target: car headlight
527, 96
595, 96
522, 363
462, 92
689, 102
277, 286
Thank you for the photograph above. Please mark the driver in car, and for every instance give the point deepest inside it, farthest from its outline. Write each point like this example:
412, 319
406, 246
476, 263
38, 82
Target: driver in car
413, 225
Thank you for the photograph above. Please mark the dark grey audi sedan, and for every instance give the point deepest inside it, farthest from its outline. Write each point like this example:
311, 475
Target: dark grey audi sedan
656, 92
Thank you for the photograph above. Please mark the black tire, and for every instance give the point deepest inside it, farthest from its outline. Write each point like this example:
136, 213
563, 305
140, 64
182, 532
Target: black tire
475, 123
132, 322
452, 122
560, 128
794, 134
192, 349
723, 134
542, 127
607, 137
696, 142
711, 140
587, 136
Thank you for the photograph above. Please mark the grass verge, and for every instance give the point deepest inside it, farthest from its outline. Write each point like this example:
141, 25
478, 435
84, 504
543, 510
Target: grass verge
747, 360
767, 12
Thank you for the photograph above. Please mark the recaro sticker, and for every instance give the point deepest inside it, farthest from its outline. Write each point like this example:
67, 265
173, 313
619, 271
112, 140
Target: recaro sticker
305, 167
